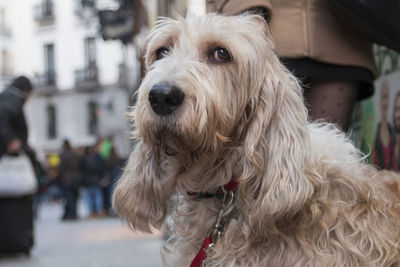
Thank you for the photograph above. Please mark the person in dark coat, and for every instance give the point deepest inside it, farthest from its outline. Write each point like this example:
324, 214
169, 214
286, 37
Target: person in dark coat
16, 223
68, 178
13, 127
93, 171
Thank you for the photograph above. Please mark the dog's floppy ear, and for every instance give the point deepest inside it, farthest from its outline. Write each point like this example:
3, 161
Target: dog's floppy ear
276, 147
140, 196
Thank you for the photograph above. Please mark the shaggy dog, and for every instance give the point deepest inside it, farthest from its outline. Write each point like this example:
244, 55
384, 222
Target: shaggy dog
217, 106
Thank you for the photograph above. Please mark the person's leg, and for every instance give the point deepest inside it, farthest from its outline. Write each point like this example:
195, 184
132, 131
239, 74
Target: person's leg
89, 199
331, 101
64, 194
74, 200
99, 199
106, 198
110, 189
69, 201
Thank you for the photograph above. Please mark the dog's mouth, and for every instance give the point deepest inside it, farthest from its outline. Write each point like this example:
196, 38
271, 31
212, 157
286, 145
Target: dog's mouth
180, 132
173, 142
167, 138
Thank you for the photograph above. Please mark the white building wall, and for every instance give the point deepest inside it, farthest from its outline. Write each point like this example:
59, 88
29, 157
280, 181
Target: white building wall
197, 7
23, 45
108, 61
5, 45
68, 32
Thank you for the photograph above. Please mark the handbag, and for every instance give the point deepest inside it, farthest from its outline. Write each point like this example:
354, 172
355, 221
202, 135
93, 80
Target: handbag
378, 20
17, 177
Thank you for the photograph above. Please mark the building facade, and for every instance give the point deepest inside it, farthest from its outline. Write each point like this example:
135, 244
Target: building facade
83, 84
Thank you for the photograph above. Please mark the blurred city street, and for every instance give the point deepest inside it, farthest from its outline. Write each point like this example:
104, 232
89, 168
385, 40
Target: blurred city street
100, 242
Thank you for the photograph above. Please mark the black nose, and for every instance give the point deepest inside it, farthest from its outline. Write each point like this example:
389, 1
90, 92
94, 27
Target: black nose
165, 98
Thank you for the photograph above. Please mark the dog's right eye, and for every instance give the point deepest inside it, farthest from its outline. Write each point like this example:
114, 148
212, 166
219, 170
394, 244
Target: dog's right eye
219, 55
162, 52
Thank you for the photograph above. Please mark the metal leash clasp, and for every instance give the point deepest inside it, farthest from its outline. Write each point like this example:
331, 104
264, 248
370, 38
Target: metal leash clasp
219, 227
225, 208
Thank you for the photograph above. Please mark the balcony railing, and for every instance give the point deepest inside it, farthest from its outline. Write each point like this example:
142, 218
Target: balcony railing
44, 12
86, 78
46, 82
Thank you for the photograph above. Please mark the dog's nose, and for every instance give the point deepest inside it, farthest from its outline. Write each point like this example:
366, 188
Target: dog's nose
164, 98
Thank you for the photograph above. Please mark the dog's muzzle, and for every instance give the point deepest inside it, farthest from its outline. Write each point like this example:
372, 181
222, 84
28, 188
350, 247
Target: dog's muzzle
164, 98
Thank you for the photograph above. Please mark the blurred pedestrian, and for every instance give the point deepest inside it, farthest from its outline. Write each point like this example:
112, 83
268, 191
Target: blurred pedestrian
93, 170
53, 187
396, 125
105, 147
114, 169
13, 127
105, 151
68, 178
18, 161
334, 61
42, 179
384, 154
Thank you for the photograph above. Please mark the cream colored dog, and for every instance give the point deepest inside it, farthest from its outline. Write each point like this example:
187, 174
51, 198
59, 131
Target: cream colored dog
216, 106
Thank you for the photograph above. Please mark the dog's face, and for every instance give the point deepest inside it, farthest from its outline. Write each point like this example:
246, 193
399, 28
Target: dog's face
215, 93
200, 80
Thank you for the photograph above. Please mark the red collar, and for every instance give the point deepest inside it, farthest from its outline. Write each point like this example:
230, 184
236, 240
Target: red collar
222, 192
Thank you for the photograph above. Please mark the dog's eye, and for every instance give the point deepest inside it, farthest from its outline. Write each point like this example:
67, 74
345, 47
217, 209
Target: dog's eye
162, 52
220, 55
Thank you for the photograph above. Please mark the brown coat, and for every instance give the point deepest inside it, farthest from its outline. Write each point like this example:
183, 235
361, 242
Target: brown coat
307, 28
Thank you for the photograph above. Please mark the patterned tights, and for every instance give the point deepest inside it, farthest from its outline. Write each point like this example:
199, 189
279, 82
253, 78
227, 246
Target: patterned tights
331, 101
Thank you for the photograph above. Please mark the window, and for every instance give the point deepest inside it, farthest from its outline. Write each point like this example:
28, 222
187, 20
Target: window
90, 52
51, 122
49, 65
90, 71
87, 3
93, 118
47, 8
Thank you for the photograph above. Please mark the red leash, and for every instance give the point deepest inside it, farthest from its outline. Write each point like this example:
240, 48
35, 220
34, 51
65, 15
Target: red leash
201, 255
226, 192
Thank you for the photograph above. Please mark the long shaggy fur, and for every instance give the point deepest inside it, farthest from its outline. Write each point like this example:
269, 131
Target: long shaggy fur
305, 197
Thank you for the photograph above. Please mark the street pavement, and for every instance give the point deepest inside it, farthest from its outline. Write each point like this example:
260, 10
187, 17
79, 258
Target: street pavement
101, 242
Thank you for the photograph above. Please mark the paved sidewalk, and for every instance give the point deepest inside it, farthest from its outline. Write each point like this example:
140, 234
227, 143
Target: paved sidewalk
86, 243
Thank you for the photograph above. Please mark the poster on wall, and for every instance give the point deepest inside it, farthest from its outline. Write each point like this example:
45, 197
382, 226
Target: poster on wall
380, 123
